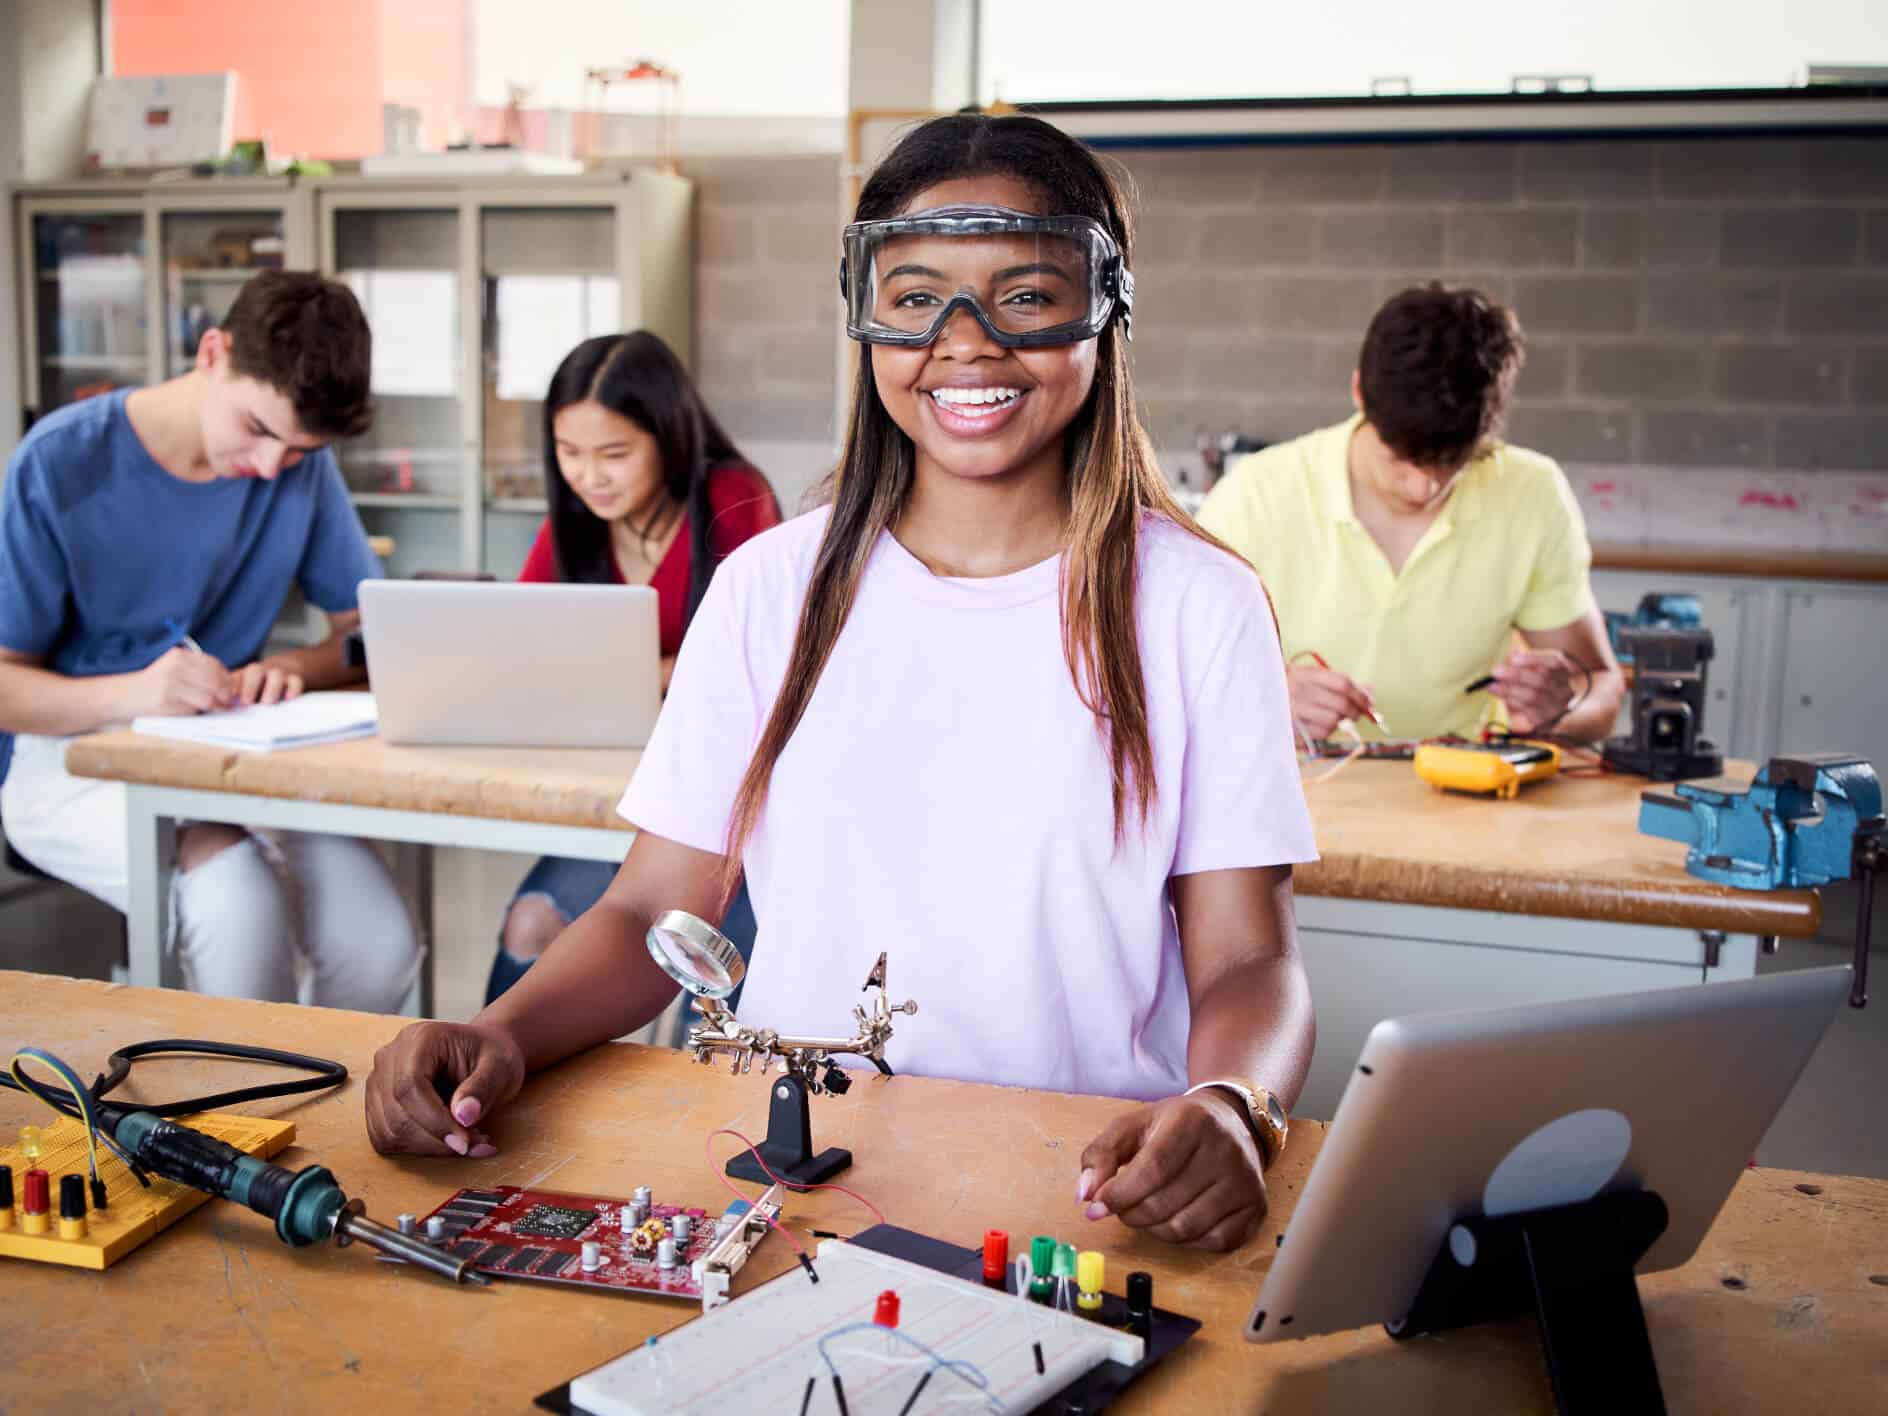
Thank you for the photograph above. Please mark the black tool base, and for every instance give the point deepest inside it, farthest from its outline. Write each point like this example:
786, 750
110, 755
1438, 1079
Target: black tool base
1573, 1267
788, 1149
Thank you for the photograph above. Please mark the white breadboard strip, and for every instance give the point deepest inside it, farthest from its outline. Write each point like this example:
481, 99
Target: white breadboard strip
756, 1353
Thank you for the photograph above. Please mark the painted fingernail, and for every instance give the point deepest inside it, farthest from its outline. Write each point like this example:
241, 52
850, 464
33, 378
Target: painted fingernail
1083, 1185
483, 1150
455, 1142
1096, 1211
467, 1111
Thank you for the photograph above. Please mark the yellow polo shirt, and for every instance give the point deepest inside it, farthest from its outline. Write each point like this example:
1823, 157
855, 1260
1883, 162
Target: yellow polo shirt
1507, 551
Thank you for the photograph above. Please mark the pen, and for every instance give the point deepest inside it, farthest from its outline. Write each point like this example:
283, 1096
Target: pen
1480, 684
182, 636
1321, 662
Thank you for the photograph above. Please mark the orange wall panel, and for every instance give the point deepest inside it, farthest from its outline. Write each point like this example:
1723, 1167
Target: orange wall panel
311, 78
422, 63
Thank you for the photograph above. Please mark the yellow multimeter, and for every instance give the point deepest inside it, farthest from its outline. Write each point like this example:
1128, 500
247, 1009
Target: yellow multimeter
1502, 768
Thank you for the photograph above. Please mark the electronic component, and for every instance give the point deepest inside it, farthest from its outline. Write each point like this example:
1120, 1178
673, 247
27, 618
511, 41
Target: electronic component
590, 1242
554, 1221
956, 1343
133, 1214
36, 1202
1501, 768
1140, 1302
996, 1256
1042, 1268
1091, 1271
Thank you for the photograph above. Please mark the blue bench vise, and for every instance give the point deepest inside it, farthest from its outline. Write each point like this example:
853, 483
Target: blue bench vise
1802, 822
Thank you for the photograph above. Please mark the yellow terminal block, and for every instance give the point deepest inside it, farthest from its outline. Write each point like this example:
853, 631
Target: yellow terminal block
1501, 768
1090, 1271
35, 1223
71, 1228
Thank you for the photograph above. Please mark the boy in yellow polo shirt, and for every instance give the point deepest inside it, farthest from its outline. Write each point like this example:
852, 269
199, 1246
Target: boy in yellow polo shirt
1405, 547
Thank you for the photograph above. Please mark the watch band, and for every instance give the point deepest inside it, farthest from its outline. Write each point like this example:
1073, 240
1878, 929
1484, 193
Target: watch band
1264, 1112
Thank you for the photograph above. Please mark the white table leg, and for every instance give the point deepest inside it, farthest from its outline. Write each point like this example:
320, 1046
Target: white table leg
151, 851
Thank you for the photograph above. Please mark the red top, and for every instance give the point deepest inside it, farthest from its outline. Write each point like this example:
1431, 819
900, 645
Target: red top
742, 505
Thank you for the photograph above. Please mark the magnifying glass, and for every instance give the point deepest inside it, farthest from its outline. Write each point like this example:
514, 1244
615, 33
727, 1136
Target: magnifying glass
695, 954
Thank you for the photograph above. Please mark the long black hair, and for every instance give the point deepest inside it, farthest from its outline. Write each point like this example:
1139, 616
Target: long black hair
638, 377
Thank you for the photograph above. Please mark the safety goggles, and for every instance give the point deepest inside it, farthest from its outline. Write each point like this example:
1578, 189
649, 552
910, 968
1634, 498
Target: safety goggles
1030, 281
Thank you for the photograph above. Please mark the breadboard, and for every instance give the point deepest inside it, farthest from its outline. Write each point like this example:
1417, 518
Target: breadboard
758, 1354
538, 1236
132, 1213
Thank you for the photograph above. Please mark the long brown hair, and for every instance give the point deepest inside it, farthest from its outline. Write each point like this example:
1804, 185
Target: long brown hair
1113, 478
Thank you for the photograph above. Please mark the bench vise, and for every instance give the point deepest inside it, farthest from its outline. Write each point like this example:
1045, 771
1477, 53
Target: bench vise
1802, 821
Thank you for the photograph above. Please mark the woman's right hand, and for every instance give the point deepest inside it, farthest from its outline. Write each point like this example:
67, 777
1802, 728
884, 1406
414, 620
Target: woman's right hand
434, 1083
1322, 698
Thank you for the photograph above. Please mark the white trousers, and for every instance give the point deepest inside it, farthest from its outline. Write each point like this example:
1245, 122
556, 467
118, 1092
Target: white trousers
243, 919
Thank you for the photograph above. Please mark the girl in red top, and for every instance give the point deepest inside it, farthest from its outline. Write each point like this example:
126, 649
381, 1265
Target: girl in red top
645, 489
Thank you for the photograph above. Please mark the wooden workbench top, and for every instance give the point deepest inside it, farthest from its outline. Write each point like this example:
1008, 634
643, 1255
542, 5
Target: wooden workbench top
216, 1314
1570, 847
550, 786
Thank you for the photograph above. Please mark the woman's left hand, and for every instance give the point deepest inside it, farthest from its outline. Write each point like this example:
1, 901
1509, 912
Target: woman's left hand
1186, 1170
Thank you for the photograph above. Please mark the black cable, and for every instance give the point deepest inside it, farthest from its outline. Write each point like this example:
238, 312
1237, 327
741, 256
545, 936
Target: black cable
327, 1074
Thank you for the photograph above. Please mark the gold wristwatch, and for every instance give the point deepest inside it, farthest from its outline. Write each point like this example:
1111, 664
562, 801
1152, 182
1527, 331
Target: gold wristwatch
1265, 1114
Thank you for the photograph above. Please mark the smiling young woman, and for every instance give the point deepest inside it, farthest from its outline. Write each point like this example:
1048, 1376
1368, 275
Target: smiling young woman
999, 708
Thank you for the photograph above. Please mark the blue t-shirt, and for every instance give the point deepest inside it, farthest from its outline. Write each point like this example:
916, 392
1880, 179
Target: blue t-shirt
104, 555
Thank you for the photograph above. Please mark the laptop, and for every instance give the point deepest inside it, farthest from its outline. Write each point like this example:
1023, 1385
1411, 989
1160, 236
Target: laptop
483, 664
1513, 1110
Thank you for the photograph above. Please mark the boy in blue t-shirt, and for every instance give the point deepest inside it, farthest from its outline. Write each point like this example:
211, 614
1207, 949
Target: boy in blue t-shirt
147, 540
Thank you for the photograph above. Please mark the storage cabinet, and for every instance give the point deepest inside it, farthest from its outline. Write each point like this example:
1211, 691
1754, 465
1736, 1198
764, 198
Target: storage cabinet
474, 288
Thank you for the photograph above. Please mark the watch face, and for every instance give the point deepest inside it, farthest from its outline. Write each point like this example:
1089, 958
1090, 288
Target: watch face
1274, 1111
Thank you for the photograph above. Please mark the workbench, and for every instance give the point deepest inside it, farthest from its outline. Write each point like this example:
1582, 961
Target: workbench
1786, 1301
1421, 901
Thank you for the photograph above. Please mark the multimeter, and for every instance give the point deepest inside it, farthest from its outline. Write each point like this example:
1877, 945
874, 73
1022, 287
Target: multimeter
1501, 768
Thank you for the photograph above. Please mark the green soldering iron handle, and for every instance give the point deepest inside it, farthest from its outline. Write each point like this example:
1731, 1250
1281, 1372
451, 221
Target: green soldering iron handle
304, 1204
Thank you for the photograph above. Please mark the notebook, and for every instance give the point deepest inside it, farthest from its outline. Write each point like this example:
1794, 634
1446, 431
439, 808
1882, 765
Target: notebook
301, 722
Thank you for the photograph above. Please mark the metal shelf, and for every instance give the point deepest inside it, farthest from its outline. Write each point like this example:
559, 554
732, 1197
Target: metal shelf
126, 363
405, 501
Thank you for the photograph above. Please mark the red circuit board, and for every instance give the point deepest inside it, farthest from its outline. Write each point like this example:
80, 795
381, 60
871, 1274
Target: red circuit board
537, 1236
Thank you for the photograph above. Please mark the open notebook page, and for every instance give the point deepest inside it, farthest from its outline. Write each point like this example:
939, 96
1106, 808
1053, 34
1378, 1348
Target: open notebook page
301, 722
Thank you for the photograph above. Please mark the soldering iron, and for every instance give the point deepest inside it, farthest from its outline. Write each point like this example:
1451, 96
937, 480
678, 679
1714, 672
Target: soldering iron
306, 1206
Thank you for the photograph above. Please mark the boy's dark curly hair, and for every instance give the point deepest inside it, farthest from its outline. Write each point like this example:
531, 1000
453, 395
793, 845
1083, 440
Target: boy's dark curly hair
305, 336
1435, 373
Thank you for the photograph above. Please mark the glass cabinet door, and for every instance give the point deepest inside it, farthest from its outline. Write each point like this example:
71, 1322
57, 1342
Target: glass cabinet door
208, 255
407, 473
89, 301
548, 283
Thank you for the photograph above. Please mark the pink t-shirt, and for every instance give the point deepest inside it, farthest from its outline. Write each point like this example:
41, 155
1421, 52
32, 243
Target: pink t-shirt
946, 799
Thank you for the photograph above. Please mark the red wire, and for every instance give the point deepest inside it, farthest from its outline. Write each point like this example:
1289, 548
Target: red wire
708, 1148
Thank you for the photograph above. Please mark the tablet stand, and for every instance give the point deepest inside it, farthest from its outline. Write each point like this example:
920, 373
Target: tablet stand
1571, 1266
788, 1149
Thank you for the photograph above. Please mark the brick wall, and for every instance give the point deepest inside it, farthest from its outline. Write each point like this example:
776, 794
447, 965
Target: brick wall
767, 308
1713, 302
